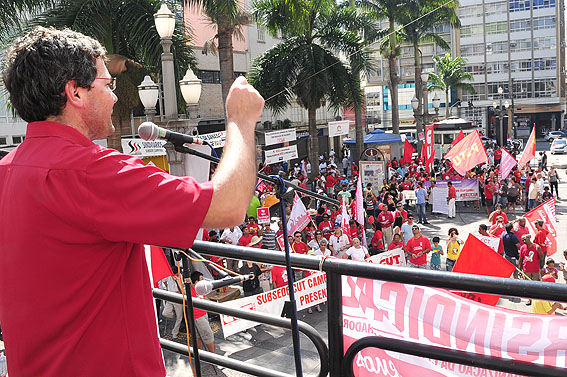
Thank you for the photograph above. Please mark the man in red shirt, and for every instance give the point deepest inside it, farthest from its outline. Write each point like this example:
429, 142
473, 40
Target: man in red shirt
530, 255
85, 306
496, 213
246, 237
417, 247
540, 239
401, 212
520, 228
452, 200
488, 195
330, 182
326, 226
254, 228
386, 219
298, 246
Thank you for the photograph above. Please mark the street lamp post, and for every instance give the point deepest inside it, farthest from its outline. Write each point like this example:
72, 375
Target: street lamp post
436, 103
148, 92
424, 78
506, 105
165, 24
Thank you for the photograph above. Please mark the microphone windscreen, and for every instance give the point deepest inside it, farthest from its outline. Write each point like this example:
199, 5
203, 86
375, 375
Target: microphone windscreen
203, 287
148, 131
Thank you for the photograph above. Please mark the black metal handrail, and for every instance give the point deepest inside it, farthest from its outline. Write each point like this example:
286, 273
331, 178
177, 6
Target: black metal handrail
260, 317
335, 268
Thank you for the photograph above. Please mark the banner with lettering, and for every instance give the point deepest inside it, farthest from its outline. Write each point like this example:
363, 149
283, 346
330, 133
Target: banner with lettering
394, 257
437, 317
309, 291
467, 189
545, 212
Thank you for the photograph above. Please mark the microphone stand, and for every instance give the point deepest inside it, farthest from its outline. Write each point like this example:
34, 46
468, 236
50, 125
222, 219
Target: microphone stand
290, 307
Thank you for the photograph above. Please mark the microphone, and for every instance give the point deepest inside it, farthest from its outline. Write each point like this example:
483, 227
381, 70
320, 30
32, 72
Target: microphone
150, 131
204, 287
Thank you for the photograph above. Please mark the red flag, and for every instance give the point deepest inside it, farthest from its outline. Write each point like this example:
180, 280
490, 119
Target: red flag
160, 266
429, 148
260, 185
477, 258
299, 218
529, 151
545, 212
408, 152
467, 154
359, 213
460, 137
345, 219
507, 163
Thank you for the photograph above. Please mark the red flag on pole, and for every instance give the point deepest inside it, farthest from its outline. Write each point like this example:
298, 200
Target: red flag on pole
408, 152
477, 258
529, 151
460, 137
298, 218
429, 150
467, 154
545, 212
160, 266
507, 163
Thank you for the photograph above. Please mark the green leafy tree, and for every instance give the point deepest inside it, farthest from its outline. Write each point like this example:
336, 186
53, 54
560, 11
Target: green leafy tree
417, 20
450, 74
127, 31
306, 65
229, 18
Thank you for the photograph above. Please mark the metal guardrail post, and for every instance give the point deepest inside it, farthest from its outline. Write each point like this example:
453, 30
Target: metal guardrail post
334, 323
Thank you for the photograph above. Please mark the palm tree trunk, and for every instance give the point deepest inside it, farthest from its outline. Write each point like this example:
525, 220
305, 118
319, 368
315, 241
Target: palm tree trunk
418, 94
114, 141
359, 134
447, 107
394, 79
313, 142
226, 62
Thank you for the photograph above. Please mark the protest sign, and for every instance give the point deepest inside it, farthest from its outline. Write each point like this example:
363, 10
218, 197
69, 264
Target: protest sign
467, 189
308, 292
440, 318
263, 215
545, 212
394, 257
280, 136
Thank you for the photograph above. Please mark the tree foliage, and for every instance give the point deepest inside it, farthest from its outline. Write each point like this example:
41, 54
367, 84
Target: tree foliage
450, 74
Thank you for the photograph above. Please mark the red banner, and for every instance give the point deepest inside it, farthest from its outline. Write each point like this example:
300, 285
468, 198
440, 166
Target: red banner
507, 163
467, 154
529, 151
299, 218
459, 137
408, 152
545, 212
439, 318
160, 266
429, 150
477, 258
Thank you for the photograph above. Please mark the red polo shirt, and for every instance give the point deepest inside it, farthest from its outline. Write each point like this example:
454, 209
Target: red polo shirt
452, 193
75, 294
416, 245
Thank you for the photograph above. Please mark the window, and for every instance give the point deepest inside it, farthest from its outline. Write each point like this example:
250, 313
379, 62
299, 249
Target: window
497, 67
540, 4
471, 30
261, 33
475, 69
522, 88
373, 99
497, 47
520, 45
480, 93
473, 49
545, 88
470, 11
524, 65
519, 5
236, 75
545, 64
520, 25
495, 8
474, 114
18, 139
493, 89
497, 27
547, 22
544, 43
210, 77
3, 140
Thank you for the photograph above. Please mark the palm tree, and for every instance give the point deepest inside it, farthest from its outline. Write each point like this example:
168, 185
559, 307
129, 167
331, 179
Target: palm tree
127, 31
305, 66
450, 74
389, 10
229, 18
417, 19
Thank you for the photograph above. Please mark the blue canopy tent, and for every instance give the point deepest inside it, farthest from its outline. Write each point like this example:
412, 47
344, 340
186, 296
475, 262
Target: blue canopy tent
377, 137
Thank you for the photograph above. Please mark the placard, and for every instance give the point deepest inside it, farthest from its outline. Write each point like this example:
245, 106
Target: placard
338, 128
142, 148
216, 139
372, 172
281, 154
280, 136
394, 257
263, 215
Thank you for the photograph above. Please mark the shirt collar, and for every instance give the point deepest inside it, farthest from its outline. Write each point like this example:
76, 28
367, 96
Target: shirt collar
53, 129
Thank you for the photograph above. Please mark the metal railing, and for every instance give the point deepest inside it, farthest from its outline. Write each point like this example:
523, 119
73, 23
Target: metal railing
339, 363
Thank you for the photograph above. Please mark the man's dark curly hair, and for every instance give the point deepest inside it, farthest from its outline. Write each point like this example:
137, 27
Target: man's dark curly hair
39, 65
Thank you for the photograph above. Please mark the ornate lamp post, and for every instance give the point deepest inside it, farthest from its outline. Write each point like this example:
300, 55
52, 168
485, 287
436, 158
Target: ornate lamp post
148, 92
165, 24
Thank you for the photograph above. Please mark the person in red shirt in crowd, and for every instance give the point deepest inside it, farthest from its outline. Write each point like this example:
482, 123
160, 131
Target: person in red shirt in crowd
497, 156
353, 231
279, 276
246, 237
451, 200
540, 239
298, 246
377, 243
406, 184
401, 212
497, 212
330, 182
394, 163
255, 229
334, 213
530, 257
204, 332
488, 195
520, 228
326, 226
498, 227
386, 219
417, 247
397, 242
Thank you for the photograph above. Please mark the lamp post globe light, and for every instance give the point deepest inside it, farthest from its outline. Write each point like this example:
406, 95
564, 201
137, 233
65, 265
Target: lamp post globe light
148, 92
436, 103
190, 88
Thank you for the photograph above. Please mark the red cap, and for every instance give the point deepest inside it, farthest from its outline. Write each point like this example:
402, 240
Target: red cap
548, 278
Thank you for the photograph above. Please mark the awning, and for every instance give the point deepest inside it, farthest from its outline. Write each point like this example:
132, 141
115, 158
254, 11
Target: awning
377, 137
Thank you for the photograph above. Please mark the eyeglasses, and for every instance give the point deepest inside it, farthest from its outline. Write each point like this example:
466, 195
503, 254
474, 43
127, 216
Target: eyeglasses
111, 84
